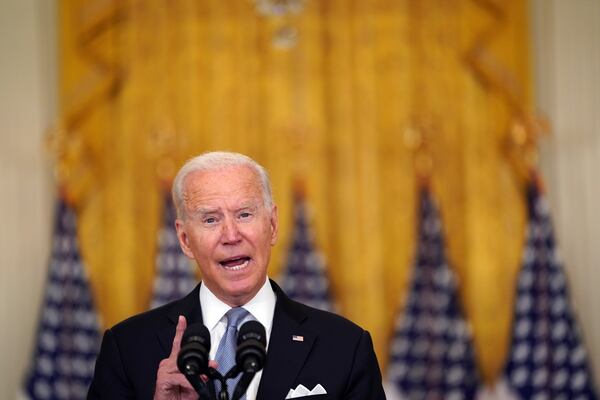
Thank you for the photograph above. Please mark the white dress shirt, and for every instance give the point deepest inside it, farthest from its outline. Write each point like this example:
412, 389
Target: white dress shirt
261, 308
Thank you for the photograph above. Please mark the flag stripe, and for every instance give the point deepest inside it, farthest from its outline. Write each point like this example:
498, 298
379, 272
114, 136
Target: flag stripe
175, 275
304, 278
432, 354
547, 358
68, 338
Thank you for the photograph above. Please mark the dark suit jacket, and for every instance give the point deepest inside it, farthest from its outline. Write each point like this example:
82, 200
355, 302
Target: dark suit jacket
335, 353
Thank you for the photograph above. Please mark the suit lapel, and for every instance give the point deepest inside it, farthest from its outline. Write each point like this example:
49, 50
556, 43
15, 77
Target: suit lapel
189, 307
289, 345
285, 356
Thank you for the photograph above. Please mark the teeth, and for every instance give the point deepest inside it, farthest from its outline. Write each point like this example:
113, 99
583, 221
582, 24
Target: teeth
238, 267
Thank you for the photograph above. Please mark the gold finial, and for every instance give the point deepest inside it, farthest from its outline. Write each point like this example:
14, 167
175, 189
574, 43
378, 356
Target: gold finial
525, 133
161, 148
416, 139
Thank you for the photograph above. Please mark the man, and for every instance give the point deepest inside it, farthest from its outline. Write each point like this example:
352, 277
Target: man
227, 222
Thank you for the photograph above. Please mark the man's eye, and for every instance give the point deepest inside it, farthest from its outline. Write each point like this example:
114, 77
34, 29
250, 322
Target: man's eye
245, 215
210, 220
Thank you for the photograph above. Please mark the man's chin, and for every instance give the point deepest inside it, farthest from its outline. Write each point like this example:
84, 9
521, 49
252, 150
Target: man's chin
242, 291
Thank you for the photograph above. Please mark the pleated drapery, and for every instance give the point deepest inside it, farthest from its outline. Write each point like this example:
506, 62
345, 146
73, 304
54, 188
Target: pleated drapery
331, 96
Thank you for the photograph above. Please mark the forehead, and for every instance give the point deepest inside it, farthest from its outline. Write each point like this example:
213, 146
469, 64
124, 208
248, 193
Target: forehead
240, 183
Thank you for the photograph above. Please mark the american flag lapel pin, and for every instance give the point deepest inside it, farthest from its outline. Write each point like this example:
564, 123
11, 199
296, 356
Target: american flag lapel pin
297, 338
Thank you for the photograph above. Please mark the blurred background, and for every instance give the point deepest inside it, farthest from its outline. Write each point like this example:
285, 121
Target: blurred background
362, 112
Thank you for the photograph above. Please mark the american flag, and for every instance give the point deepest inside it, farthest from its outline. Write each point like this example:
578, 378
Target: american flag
432, 354
304, 278
547, 358
68, 339
175, 275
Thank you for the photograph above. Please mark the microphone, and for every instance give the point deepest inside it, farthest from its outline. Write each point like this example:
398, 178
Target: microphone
250, 355
192, 360
251, 347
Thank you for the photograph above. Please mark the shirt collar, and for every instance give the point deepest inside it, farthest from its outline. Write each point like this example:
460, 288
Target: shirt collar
261, 306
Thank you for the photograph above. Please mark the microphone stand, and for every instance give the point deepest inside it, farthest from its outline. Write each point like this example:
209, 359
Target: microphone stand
199, 386
240, 388
242, 385
214, 374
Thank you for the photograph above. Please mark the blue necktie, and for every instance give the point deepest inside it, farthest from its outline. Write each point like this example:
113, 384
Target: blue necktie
226, 352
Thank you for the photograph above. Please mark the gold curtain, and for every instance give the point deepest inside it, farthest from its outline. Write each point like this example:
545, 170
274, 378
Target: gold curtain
325, 96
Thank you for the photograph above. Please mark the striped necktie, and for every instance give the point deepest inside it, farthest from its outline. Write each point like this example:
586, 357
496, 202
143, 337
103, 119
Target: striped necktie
226, 352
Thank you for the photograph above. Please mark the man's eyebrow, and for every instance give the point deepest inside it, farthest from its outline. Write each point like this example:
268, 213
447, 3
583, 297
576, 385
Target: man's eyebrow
250, 204
205, 211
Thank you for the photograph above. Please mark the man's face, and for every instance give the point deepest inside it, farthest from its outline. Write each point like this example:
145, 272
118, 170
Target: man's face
228, 230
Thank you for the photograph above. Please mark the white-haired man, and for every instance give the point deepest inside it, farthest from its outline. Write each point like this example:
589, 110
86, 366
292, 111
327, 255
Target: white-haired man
227, 222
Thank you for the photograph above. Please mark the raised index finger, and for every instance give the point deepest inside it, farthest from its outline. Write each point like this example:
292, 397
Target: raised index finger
181, 325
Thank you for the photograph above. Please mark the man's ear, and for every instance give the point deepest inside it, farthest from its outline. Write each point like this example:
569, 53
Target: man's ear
274, 225
183, 238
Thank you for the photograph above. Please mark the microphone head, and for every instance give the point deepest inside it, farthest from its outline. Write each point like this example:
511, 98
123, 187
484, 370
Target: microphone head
251, 347
195, 347
252, 330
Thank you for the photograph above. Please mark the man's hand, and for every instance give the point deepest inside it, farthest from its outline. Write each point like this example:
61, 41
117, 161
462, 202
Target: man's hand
170, 383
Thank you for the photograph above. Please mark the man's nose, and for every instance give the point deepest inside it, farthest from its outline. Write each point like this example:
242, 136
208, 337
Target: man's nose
231, 232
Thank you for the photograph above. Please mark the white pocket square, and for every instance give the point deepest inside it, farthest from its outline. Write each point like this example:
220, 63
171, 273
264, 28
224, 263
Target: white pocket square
301, 391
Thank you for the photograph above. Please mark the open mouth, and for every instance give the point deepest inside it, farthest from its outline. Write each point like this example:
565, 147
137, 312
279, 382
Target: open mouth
235, 263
